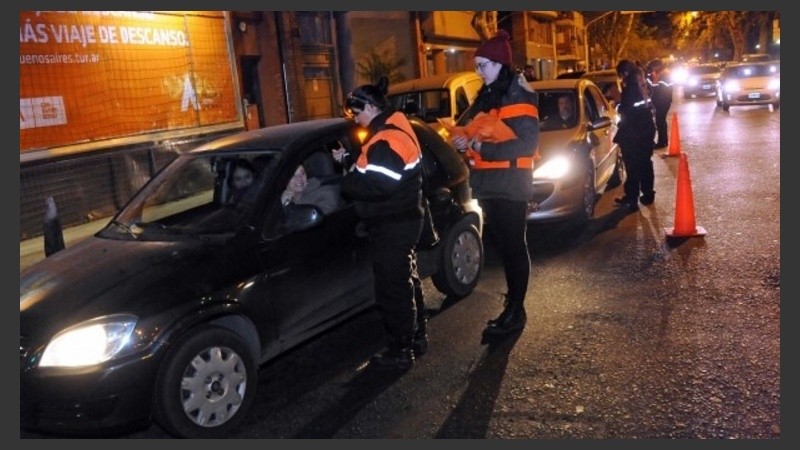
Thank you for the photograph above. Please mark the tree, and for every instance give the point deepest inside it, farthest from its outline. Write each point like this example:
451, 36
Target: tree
619, 36
699, 32
375, 64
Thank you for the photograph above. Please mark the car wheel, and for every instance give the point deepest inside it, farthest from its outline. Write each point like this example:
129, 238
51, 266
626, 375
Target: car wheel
206, 384
776, 105
725, 106
589, 195
461, 262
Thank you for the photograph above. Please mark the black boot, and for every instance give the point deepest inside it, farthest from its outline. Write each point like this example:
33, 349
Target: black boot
420, 342
506, 311
399, 356
512, 318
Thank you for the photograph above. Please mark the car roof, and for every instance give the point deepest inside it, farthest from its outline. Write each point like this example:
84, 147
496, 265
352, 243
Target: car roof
563, 83
601, 73
431, 82
277, 136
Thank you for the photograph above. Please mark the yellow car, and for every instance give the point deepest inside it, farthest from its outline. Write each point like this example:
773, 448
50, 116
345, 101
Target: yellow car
436, 98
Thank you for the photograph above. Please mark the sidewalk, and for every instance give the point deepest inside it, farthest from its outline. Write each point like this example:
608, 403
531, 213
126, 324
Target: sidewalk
31, 251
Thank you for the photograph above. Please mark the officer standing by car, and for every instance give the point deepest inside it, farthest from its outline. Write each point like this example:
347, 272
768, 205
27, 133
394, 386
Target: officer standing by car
385, 184
635, 136
661, 96
502, 169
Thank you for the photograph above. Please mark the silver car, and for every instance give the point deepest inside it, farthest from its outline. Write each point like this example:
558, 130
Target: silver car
749, 84
579, 160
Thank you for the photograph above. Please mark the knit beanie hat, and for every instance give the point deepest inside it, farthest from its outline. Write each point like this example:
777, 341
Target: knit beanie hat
496, 49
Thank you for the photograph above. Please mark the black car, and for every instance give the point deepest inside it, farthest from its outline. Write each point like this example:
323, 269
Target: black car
168, 311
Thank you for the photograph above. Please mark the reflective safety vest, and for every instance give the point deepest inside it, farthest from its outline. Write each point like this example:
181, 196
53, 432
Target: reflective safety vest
523, 162
401, 139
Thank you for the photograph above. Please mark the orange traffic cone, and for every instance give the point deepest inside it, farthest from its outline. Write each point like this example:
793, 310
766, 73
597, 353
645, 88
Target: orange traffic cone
684, 205
674, 138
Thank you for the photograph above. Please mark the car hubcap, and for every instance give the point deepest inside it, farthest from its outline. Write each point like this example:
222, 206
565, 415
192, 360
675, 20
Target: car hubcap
466, 258
213, 386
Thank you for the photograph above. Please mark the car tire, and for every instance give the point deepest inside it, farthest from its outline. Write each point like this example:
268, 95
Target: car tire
461, 261
210, 371
726, 106
776, 105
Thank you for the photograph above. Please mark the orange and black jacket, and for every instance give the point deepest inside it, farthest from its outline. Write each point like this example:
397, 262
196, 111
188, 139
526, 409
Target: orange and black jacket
505, 169
386, 179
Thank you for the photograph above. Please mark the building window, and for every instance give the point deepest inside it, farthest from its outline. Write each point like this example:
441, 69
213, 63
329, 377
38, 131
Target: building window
314, 27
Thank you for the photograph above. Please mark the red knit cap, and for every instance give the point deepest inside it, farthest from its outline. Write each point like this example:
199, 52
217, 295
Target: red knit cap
496, 49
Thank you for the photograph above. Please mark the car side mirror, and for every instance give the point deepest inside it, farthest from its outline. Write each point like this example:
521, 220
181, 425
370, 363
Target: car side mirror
301, 217
601, 122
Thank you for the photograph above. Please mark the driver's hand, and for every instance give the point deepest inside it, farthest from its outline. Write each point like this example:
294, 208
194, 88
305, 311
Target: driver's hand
338, 154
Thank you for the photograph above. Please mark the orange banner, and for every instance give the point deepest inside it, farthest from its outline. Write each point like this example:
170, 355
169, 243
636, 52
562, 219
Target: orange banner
92, 75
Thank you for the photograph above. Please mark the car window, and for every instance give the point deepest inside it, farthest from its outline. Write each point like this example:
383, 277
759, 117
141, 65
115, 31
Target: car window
428, 104
599, 106
751, 70
704, 70
548, 108
462, 101
190, 197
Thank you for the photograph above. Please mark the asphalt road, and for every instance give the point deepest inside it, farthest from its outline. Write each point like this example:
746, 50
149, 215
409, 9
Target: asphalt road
630, 335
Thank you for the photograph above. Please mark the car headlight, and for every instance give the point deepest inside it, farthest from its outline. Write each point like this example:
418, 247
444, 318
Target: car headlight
732, 86
554, 168
774, 84
91, 342
692, 81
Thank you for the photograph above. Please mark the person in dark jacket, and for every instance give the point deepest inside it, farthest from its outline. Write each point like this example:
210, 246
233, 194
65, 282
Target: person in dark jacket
385, 184
501, 171
635, 136
661, 95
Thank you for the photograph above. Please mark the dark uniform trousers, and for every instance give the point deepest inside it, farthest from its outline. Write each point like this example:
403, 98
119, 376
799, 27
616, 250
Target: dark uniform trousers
507, 222
398, 288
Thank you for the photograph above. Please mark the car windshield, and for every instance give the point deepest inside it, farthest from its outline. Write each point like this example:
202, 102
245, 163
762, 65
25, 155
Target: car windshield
704, 70
196, 194
752, 70
428, 104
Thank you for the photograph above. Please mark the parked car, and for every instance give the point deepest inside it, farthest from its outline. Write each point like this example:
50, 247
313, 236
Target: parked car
749, 84
168, 311
701, 80
609, 83
437, 97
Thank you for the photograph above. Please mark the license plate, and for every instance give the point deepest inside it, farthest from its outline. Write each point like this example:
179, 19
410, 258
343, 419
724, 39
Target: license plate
706, 86
753, 95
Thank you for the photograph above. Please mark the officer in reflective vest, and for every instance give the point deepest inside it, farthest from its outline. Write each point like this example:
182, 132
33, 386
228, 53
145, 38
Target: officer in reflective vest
385, 183
501, 155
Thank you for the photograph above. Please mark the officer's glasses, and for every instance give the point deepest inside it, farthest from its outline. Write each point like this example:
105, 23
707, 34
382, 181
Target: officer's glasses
354, 105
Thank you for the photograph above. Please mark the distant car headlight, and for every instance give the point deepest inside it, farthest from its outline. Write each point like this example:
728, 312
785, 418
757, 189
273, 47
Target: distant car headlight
89, 343
774, 84
692, 81
732, 86
554, 168
679, 75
